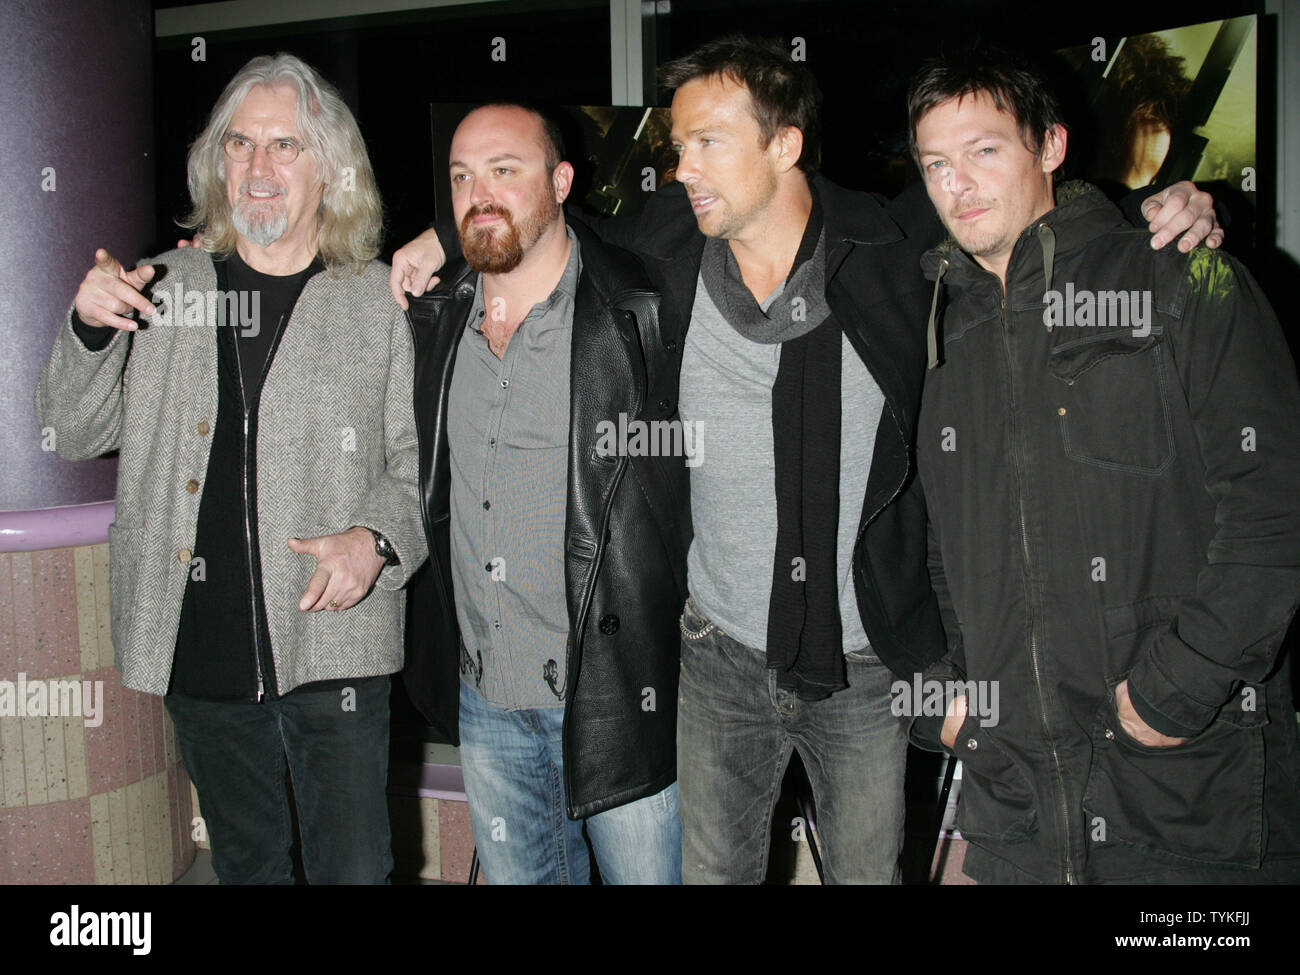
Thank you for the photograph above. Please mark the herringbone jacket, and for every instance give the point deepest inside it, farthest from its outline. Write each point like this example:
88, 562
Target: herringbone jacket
336, 447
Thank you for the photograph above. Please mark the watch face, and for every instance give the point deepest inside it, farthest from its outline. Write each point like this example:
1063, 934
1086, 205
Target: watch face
383, 547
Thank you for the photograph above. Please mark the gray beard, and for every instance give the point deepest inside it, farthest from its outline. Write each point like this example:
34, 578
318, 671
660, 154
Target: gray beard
263, 233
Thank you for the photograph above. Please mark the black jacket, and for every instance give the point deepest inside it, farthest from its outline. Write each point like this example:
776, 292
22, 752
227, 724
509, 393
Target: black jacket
626, 534
880, 300
1109, 502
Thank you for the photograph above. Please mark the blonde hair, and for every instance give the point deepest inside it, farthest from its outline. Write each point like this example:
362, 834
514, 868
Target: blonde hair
350, 218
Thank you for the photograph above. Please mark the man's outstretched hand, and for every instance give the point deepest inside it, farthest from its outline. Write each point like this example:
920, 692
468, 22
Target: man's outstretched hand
1182, 209
108, 293
414, 266
346, 567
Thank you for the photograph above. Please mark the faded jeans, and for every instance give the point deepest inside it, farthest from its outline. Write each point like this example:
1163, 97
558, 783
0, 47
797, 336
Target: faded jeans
735, 732
513, 763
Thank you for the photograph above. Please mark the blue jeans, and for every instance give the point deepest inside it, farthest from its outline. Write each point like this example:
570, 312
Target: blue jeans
735, 732
235, 753
513, 762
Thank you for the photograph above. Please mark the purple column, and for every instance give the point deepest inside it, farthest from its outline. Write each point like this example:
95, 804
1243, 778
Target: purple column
76, 165
93, 792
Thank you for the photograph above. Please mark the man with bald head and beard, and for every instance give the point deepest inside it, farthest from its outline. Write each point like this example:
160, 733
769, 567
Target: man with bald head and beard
558, 565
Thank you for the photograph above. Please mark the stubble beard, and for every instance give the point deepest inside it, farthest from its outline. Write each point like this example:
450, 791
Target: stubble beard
728, 223
976, 241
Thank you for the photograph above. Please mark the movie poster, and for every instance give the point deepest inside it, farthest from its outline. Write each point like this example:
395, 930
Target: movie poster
1170, 105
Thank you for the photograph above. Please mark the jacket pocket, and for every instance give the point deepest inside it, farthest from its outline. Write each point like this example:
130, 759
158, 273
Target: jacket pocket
1113, 409
862, 658
1128, 630
1201, 801
123, 581
997, 802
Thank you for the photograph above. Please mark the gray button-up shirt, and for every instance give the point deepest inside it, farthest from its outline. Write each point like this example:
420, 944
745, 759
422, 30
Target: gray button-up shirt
508, 434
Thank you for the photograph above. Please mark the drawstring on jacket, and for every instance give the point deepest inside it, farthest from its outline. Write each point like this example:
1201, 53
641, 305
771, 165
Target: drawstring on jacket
1047, 239
931, 336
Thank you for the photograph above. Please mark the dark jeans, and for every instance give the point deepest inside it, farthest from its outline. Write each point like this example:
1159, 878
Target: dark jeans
735, 732
235, 753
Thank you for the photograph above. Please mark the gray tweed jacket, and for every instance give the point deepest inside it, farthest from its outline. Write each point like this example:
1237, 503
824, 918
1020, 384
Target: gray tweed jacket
336, 447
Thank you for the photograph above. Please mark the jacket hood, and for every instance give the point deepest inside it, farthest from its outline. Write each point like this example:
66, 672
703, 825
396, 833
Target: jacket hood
1081, 214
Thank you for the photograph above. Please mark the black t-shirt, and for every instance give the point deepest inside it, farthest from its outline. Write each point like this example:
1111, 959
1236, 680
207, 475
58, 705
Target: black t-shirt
223, 619
269, 298
215, 642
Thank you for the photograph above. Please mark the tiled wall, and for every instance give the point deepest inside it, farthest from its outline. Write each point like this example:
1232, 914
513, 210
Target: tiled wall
112, 804
107, 804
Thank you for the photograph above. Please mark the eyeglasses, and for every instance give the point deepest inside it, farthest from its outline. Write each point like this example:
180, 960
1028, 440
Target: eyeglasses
282, 151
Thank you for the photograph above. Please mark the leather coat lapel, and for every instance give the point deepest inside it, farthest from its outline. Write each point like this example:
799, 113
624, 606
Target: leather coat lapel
607, 373
436, 325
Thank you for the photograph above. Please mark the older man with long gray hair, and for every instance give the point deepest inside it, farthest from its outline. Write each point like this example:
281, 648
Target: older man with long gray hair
267, 514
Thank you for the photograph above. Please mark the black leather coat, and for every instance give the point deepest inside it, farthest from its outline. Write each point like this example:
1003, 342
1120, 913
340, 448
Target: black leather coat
627, 528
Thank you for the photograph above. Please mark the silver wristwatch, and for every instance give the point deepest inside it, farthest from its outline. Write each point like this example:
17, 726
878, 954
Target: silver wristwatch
383, 547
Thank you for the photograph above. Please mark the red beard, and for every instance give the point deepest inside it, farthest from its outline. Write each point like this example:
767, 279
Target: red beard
494, 249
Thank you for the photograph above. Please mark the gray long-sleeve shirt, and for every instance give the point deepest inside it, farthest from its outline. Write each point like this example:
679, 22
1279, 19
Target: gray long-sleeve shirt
508, 435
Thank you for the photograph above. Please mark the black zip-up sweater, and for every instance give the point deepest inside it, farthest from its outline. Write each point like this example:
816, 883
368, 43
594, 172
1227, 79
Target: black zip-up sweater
217, 654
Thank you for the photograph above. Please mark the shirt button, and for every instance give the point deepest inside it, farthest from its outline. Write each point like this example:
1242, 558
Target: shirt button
505, 384
496, 624
1060, 411
204, 427
192, 485
184, 555
488, 567
487, 505
972, 744
492, 442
